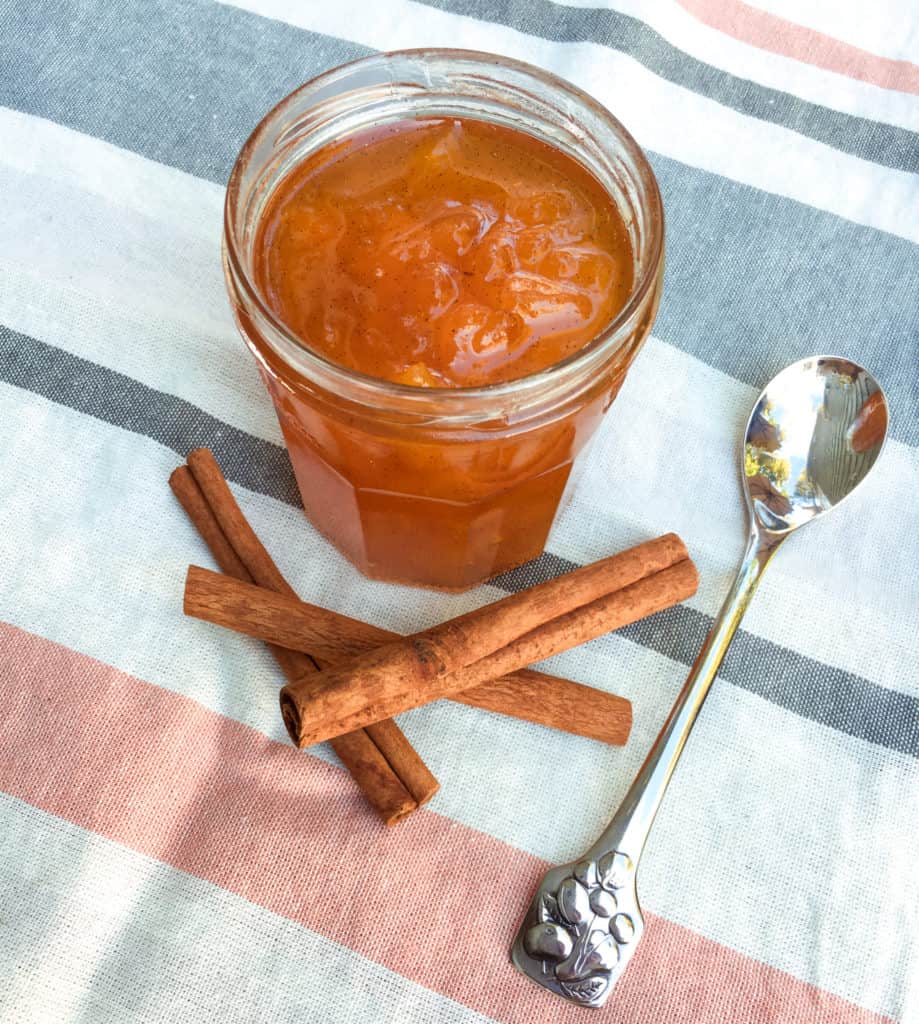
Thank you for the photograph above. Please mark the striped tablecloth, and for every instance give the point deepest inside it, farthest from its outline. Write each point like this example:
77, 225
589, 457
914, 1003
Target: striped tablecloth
165, 854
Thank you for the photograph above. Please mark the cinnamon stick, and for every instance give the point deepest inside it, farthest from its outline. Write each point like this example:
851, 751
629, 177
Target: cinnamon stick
517, 630
376, 778
330, 637
385, 766
252, 553
395, 748
191, 498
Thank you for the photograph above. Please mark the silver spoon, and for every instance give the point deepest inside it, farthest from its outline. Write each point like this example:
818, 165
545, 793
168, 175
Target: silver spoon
813, 435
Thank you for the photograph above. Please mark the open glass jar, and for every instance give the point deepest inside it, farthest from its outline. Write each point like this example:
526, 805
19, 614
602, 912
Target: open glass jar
438, 487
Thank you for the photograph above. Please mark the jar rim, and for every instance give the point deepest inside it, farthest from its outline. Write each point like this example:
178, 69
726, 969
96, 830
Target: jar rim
606, 341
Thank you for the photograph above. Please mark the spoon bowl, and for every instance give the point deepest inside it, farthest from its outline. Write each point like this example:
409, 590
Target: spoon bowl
814, 434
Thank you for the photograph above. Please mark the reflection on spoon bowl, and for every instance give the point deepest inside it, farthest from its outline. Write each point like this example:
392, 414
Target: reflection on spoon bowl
813, 435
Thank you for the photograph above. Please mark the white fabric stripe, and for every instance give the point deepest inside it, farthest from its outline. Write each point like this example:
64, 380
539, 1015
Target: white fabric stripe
707, 44
853, 797
657, 112
169, 242
146, 296
107, 306
888, 29
97, 933
189, 205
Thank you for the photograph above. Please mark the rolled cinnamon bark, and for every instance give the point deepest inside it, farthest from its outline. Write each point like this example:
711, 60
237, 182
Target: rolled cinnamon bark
411, 672
411, 663
236, 528
330, 637
191, 498
390, 773
395, 748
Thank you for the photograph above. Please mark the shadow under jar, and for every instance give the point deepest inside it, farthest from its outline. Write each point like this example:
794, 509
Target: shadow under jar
443, 486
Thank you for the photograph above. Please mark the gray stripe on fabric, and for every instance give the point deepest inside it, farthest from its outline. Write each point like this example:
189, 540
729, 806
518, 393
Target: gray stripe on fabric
182, 82
828, 695
124, 402
753, 281
880, 143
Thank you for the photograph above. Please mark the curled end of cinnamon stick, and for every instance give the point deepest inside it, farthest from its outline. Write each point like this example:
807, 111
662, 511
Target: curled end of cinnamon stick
674, 547
692, 577
398, 816
414, 773
626, 722
201, 455
291, 715
189, 605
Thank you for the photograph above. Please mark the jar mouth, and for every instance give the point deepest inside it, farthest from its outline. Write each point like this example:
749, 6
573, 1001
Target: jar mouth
324, 102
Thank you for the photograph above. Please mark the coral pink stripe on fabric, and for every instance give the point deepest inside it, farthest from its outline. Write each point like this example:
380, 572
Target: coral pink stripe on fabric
430, 899
768, 31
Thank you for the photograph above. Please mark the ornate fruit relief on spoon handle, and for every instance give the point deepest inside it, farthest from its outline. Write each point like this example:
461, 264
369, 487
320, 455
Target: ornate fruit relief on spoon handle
582, 928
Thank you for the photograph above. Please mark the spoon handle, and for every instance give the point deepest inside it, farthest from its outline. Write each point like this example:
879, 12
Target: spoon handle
585, 921
629, 829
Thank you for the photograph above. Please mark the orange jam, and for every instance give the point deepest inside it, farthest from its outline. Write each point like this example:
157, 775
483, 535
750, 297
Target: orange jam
443, 253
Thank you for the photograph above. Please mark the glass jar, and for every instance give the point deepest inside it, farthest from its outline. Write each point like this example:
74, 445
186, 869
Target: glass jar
438, 487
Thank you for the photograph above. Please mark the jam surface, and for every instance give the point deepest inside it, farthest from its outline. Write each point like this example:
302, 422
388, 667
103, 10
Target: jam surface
443, 253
